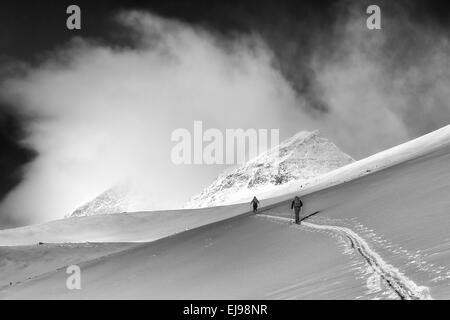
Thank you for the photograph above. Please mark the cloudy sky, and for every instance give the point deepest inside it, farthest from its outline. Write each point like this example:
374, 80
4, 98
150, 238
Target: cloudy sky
82, 110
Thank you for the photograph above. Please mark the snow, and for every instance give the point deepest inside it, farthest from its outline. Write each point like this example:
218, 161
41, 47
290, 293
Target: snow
400, 211
127, 196
410, 150
301, 157
245, 258
393, 205
297, 159
401, 285
121, 227
20, 263
113, 200
413, 149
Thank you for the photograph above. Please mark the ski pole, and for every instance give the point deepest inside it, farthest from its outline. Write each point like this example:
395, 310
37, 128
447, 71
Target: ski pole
301, 214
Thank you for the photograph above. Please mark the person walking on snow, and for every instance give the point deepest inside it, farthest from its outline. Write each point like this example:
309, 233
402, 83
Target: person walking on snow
255, 203
297, 204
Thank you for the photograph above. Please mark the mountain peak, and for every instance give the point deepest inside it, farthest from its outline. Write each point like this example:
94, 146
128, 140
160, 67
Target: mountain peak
303, 156
126, 196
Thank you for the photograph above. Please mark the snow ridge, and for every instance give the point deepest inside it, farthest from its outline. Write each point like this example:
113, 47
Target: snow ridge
404, 287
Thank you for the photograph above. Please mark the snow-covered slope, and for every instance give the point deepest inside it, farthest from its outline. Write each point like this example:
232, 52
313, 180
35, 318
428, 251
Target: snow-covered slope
120, 227
248, 258
374, 234
299, 158
146, 226
18, 263
402, 212
422, 146
383, 236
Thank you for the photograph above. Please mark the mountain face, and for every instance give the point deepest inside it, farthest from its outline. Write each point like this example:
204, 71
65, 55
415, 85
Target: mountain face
305, 155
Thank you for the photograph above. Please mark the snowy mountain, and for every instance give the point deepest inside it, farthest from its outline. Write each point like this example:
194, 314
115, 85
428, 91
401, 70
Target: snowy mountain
297, 159
113, 200
124, 197
303, 156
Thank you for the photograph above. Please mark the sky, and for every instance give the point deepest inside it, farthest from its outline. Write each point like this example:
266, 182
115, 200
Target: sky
84, 110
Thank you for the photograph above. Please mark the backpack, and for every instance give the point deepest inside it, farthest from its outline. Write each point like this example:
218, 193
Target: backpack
298, 202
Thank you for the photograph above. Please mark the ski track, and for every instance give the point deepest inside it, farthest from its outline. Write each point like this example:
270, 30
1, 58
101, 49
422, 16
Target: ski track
404, 287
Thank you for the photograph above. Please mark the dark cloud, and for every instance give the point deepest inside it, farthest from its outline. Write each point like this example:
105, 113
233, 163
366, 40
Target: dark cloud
14, 155
294, 30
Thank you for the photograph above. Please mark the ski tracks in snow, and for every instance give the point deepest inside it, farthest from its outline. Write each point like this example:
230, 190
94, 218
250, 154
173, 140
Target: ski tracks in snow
399, 283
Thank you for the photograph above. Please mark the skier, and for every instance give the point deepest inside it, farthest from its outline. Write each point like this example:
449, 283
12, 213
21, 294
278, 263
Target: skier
255, 203
297, 205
